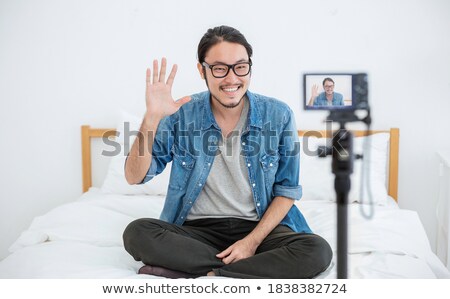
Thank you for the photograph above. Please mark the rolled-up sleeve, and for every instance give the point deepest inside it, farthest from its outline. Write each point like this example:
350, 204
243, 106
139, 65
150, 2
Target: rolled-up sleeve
151, 173
287, 176
161, 150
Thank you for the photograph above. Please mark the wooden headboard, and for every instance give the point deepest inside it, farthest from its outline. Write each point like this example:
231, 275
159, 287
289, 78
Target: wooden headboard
394, 141
87, 133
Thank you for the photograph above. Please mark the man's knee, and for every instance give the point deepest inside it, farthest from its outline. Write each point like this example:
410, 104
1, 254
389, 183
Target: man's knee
135, 229
314, 254
322, 252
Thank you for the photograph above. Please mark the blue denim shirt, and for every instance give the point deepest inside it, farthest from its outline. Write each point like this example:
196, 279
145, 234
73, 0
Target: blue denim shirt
269, 144
321, 100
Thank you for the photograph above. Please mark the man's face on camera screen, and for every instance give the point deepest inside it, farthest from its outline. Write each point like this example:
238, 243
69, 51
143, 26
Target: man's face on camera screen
328, 86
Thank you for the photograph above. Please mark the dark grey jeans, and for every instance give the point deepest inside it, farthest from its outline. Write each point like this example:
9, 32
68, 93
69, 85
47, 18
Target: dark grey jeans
192, 248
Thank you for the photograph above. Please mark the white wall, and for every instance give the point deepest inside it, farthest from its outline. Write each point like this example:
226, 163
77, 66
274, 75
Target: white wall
68, 63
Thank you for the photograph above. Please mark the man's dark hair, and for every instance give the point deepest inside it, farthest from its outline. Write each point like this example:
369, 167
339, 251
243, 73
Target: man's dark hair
327, 79
219, 34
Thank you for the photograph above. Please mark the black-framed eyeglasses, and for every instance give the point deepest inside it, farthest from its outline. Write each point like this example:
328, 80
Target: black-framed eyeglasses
221, 70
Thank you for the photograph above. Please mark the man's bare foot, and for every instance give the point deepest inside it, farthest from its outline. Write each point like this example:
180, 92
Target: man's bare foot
211, 273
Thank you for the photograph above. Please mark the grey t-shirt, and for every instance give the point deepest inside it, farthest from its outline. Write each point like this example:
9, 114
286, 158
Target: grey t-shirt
227, 191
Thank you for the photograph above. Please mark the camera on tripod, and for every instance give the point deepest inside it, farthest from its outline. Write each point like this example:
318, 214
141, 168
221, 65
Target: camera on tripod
342, 94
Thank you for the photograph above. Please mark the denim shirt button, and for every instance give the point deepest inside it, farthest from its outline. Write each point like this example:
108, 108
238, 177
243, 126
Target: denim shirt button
199, 184
258, 204
248, 164
254, 185
270, 164
209, 164
184, 163
243, 143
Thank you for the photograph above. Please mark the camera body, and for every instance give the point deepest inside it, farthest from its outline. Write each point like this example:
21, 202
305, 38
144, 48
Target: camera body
335, 91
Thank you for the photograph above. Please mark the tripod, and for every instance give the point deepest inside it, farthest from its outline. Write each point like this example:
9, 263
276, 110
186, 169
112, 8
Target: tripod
342, 167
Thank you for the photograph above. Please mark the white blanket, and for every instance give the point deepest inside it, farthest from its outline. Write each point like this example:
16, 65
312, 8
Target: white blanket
83, 239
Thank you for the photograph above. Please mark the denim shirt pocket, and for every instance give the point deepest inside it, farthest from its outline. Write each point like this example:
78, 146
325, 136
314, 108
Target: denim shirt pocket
182, 167
269, 164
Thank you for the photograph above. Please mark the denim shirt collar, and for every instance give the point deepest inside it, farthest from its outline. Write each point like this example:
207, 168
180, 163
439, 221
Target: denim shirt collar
208, 120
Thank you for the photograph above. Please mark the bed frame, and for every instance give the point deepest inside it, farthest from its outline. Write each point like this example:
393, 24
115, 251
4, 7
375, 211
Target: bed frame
87, 133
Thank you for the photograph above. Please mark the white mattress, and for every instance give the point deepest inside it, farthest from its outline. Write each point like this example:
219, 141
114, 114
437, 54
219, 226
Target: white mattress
83, 239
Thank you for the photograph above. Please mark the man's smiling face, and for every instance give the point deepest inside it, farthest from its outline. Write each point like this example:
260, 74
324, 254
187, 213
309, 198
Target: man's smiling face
227, 91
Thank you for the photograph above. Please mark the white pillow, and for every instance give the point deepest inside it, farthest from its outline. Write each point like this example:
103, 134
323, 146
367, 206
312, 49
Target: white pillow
317, 179
115, 181
99, 221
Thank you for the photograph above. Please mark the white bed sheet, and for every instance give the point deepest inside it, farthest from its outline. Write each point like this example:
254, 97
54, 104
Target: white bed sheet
83, 239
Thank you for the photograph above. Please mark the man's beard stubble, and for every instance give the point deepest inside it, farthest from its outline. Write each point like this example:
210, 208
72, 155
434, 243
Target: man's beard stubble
218, 101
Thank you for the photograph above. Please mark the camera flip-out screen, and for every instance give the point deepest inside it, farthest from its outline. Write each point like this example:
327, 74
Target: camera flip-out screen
334, 91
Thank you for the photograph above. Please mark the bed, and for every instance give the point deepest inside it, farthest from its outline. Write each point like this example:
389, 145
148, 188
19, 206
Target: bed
82, 239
